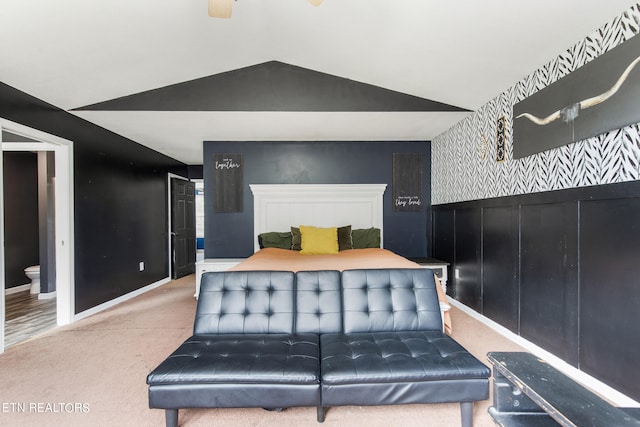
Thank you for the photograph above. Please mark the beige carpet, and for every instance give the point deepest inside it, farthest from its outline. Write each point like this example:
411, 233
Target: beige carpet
92, 373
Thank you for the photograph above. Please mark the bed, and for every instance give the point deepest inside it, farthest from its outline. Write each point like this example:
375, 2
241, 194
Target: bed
354, 208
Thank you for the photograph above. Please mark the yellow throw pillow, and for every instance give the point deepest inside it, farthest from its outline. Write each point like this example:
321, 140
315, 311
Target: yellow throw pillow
316, 240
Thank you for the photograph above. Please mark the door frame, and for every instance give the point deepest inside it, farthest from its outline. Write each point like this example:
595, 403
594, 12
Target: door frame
169, 213
64, 214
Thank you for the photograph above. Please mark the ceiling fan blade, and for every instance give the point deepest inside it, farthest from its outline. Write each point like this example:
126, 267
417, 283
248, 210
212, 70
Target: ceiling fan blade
220, 8
315, 2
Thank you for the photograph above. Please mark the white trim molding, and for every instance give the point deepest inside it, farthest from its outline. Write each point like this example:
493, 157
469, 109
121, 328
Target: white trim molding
120, 299
47, 295
64, 214
16, 289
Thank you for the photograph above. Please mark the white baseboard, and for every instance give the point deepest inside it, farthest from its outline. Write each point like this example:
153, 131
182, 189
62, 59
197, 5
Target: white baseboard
614, 396
121, 299
17, 289
47, 295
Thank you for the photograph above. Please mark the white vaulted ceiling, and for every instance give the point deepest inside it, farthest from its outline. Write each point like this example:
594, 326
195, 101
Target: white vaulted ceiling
77, 53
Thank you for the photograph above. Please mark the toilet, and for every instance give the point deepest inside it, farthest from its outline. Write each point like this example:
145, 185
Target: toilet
33, 273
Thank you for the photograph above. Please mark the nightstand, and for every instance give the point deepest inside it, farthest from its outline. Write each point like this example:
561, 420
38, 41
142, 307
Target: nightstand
213, 264
439, 267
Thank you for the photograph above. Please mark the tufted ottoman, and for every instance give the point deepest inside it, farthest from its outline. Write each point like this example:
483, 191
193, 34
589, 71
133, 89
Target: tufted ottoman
386, 368
241, 370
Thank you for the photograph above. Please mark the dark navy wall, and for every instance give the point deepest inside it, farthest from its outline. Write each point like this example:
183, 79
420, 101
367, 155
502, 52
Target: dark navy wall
229, 235
21, 239
559, 268
120, 201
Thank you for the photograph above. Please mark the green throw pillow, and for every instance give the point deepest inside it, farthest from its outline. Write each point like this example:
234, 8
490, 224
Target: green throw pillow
366, 238
275, 239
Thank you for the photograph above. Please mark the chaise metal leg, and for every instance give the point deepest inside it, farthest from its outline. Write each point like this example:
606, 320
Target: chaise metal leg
466, 411
171, 417
320, 414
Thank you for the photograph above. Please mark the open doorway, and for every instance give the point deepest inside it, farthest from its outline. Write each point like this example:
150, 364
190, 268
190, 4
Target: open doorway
56, 153
199, 219
182, 226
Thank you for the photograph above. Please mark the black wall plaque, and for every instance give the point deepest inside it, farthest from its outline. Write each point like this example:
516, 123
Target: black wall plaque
227, 171
501, 127
407, 182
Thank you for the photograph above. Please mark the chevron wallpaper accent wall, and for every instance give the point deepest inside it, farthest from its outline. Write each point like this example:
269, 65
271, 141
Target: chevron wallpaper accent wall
459, 173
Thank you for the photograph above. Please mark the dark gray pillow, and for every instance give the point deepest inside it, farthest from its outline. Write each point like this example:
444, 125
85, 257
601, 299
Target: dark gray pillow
296, 239
344, 238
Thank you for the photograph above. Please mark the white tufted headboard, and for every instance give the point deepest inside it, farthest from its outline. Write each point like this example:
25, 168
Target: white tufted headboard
277, 207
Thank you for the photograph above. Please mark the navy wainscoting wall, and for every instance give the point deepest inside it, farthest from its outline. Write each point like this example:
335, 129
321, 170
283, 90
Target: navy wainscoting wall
559, 268
229, 235
120, 201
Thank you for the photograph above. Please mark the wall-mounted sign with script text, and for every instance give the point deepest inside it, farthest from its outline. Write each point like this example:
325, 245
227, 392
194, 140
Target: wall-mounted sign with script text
407, 182
228, 181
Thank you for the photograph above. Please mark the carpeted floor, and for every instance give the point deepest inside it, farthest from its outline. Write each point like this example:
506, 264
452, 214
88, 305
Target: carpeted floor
92, 373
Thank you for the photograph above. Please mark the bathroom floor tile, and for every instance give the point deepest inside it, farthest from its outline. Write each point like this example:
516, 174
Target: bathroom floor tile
26, 316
